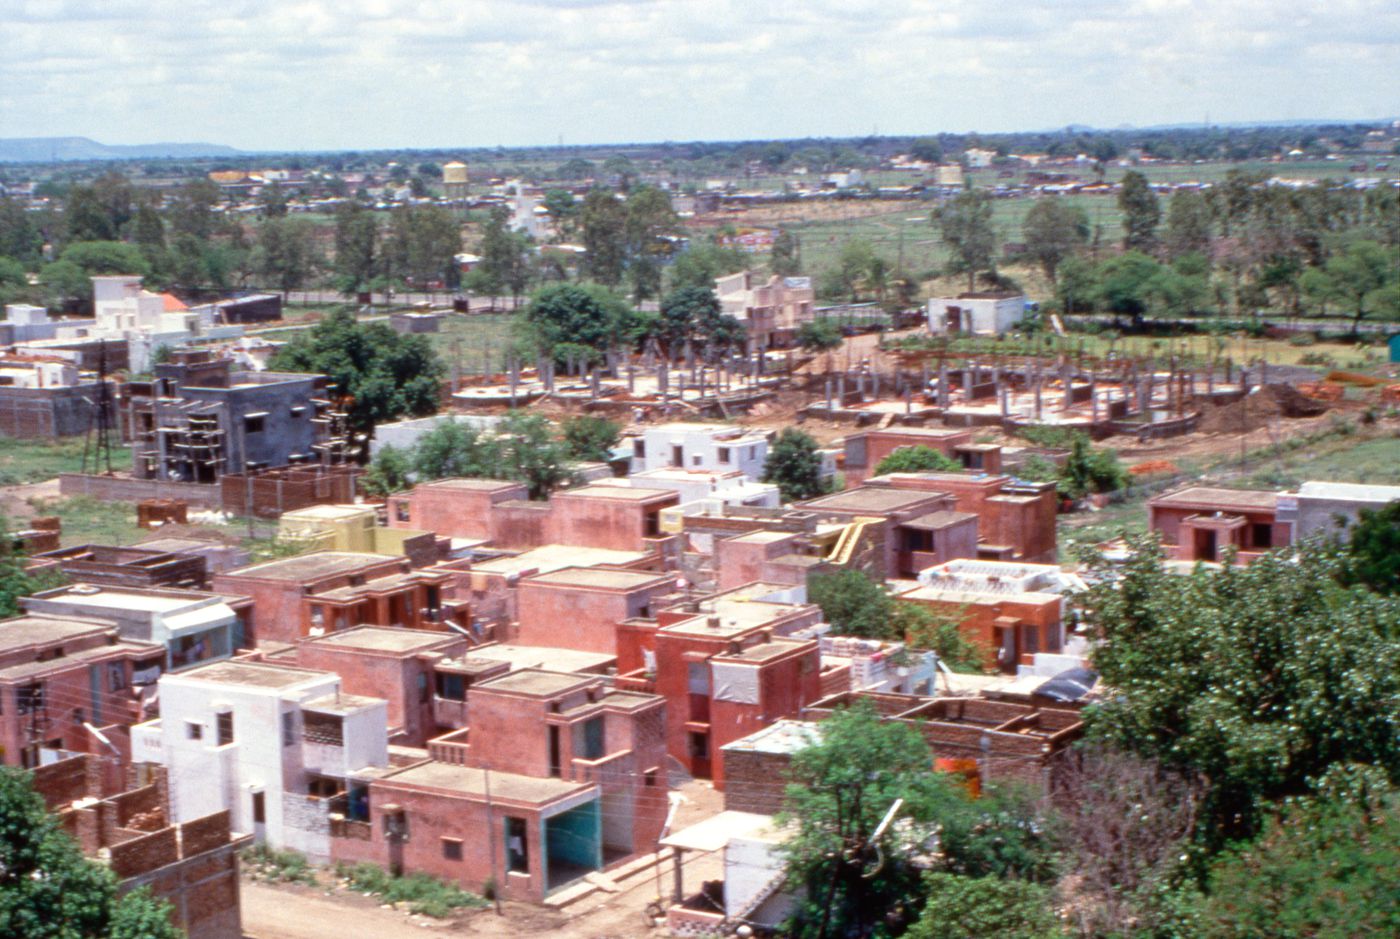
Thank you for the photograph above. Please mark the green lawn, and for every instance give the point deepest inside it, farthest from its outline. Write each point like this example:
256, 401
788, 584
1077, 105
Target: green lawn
33, 461
470, 341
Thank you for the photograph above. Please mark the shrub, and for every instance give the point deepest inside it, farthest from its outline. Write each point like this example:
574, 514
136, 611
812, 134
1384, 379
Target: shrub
423, 895
278, 866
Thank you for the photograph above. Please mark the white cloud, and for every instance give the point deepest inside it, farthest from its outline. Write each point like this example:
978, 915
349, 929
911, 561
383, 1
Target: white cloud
307, 74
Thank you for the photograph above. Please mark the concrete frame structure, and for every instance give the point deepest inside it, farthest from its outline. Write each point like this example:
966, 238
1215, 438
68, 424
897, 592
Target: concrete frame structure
772, 308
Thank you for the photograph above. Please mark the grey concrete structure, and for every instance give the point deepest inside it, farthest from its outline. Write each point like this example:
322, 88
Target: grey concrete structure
1317, 506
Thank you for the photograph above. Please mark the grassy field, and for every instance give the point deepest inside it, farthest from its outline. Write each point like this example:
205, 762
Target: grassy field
33, 461
475, 344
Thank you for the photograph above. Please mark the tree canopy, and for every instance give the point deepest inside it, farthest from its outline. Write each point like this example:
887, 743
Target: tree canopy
794, 466
917, 460
1259, 679
48, 889
965, 223
383, 374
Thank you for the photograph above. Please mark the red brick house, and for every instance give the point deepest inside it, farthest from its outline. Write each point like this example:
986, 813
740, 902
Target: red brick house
1199, 523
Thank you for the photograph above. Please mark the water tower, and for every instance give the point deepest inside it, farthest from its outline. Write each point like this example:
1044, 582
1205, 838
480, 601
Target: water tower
454, 180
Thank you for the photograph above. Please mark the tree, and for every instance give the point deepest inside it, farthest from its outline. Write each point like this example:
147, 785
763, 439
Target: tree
785, 260
20, 238
589, 438
917, 460
693, 316
820, 335
388, 472
1374, 549
983, 907
47, 888
1054, 230
1277, 673
422, 245
1125, 284
927, 150
852, 273
1141, 213
530, 453
382, 374
454, 450
579, 321
356, 247
1323, 867
849, 882
853, 883
795, 466
192, 212
603, 218
106, 257
1356, 277
13, 279
701, 265
854, 604
505, 257
965, 223
1123, 825
1188, 225
285, 254
1089, 471
650, 222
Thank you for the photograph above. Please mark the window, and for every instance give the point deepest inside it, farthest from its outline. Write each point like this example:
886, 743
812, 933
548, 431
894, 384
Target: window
517, 846
639, 449
651, 778
423, 688
323, 728
194, 730
723, 455
225, 728
29, 698
254, 423
1263, 535
591, 747
402, 509
452, 687
452, 849
700, 746
698, 677
695, 460
259, 809
116, 676
289, 728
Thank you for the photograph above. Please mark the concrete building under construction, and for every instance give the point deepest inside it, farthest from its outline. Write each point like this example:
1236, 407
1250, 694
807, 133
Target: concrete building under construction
199, 419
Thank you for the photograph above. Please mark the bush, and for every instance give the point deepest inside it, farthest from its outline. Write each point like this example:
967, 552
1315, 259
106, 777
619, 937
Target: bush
277, 866
917, 460
423, 895
1302, 339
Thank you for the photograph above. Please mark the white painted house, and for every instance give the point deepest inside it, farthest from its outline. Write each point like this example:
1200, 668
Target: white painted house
715, 447
270, 743
984, 314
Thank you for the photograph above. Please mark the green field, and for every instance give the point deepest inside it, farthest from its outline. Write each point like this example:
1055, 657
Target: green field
33, 461
471, 342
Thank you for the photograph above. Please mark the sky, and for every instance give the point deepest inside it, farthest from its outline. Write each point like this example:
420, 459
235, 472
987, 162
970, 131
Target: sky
376, 74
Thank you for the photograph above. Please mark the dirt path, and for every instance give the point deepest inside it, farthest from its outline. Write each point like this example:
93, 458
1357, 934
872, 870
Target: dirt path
14, 500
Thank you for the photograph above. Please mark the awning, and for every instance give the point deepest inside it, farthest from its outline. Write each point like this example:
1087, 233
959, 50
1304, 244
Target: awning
1070, 685
716, 832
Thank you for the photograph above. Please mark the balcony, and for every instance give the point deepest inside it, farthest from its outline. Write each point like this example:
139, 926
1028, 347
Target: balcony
451, 748
640, 681
448, 712
603, 770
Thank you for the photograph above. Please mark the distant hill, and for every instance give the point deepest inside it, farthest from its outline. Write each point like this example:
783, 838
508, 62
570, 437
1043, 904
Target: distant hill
60, 149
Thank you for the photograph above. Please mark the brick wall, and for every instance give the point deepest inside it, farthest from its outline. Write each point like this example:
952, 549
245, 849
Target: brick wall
126, 489
753, 782
145, 853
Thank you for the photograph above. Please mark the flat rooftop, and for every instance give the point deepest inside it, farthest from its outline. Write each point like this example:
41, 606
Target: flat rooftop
619, 493
598, 577
547, 657
763, 651
42, 630
538, 683
474, 485
553, 557
1211, 498
872, 500
385, 639
173, 545
253, 675
470, 781
312, 567
97, 598
762, 536
340, 703
1349, 492
329, 512
781, 737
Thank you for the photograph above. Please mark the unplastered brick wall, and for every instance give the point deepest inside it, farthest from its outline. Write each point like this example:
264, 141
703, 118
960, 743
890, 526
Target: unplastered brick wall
67, 781
204, 834
754, 782
145, 853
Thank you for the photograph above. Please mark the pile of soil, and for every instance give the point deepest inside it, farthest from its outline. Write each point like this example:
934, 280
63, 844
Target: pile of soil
1258, 408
